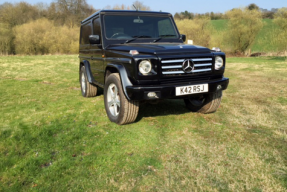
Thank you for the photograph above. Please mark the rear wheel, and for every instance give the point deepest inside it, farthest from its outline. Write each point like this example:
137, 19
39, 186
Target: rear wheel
118, 108
204, 103
87, 89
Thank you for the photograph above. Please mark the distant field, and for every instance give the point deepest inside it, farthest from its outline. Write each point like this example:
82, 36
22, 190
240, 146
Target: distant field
219, 24
53, 139
262, 42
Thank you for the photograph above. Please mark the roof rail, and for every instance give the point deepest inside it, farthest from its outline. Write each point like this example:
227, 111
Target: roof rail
115, 11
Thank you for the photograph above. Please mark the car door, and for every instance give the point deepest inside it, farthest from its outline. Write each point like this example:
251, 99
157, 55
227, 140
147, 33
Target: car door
96, 51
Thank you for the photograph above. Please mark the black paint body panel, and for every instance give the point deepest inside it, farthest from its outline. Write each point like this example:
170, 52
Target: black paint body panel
113, 55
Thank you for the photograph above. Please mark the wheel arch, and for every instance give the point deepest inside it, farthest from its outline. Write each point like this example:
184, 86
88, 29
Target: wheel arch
88, 71
116, 68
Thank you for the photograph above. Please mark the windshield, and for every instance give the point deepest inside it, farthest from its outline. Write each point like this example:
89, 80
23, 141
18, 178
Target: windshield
134, 27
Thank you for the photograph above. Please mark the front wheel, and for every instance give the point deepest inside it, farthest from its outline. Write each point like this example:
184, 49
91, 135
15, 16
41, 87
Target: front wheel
118, 108
205, 103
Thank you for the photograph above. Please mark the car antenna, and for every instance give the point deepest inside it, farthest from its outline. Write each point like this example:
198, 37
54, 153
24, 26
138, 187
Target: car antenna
135, 7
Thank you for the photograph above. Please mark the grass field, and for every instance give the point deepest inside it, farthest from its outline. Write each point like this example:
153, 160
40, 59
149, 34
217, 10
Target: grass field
263, 39
53, 139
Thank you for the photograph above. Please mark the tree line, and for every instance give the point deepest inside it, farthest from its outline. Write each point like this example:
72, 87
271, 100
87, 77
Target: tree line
242, 28
54, 28
31, 29
266, 14
45, 29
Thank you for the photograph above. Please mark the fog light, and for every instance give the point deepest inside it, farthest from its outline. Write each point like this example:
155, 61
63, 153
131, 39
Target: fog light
152, 95
219, 87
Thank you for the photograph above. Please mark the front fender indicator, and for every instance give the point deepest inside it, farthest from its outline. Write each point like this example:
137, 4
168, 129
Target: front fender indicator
134, 52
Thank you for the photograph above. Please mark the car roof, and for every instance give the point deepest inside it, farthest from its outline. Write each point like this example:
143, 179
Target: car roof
123, 12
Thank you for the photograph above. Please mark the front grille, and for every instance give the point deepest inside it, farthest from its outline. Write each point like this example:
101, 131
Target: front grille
173, 67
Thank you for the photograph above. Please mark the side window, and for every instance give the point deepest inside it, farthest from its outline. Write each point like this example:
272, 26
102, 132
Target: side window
86, 31
97, 26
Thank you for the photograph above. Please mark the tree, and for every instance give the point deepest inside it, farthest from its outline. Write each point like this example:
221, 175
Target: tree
184, 15
198, 30
176, 16
6, 39
190, 15
120, 7
71, 12
46, 38
140, 6
280, 18
187, 15
17, 14
268, 15
253, 6
52, 13
212, 16
243, 26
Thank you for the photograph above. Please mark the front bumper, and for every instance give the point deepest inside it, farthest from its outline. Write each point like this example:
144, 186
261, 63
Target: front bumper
140, 93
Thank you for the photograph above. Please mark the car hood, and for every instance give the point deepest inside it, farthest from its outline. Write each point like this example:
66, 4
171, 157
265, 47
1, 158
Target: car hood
160, 48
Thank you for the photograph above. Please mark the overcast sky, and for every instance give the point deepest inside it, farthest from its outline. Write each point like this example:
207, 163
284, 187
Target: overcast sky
173, 6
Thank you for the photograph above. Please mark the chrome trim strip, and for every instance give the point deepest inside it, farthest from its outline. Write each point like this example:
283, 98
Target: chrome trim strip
172, 72
172, 67
202, 65
173, 61
203, 59
201, 70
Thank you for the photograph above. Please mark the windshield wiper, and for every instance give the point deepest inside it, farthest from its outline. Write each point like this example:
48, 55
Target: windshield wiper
136, 37
161, 36
168, 35
156, 40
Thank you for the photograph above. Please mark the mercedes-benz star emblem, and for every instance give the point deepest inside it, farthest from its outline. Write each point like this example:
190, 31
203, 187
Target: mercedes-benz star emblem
188, 66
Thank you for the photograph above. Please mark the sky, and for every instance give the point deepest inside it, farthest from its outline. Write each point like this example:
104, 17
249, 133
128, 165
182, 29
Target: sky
195, 6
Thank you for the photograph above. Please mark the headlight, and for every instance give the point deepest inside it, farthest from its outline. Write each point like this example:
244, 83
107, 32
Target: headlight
218, 62
145, 67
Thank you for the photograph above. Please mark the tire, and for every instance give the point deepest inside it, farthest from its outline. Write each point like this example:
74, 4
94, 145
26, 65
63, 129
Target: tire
204, 104
87, 89
118, 108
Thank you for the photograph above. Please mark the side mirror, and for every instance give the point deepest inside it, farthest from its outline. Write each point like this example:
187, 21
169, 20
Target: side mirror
94, 39
183, 37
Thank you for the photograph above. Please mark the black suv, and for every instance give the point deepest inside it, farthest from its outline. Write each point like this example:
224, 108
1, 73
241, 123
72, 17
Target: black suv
140, 56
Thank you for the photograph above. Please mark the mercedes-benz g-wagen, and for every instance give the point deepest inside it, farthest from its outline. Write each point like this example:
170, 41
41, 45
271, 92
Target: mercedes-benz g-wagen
141, 56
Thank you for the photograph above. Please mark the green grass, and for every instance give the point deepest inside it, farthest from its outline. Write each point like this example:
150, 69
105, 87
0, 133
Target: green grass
263, 39
53, 139
219, 25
